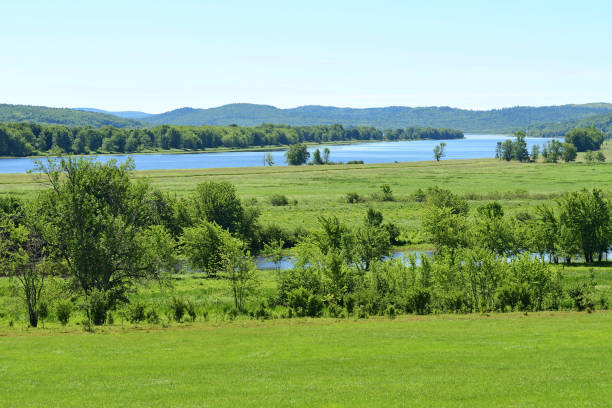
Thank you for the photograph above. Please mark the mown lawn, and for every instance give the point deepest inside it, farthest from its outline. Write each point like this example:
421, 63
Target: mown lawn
544, 360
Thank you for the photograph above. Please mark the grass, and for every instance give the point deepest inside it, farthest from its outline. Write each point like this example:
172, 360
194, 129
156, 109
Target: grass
544, 360
321, 190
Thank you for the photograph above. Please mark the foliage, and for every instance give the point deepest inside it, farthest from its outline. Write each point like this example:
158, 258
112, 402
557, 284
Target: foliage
297, 154
585, 139
63, 310
439, 151
279, 200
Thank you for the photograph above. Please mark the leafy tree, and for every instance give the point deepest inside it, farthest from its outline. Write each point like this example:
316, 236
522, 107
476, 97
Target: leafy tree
99, 223
239, 270
203, 245
519, 147
568, 152
24, 259
268, 159
297, 154
316, 158
218, 202
588, 138
371, 243
535, 153
587, 217
326, 155
438, 151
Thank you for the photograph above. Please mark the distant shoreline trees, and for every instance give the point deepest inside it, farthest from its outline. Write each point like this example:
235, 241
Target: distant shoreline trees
26, 139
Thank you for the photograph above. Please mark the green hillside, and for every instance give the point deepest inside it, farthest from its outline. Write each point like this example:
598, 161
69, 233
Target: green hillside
62, 116
601, 122
492, 121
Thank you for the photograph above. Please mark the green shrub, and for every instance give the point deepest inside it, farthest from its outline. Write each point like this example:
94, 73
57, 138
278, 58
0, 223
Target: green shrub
419, 299
178, 308
63, 310
386, 193
43, 311
279, 200
136, 312
96, 305
353, 198
152, 316
391, 312
190, 307
315, 306
582, 296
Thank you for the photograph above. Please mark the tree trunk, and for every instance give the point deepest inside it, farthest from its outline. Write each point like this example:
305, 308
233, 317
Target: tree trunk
33, 316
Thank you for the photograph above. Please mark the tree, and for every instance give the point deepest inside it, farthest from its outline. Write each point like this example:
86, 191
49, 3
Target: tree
218, 202
535, 153
297, 154
316, 158
326, 155
99, 223
438, 151
586, 215
371, 243
274, 251
239, 270
568, 152
268, 159
519, 147
588, 138
203, 246
24, 258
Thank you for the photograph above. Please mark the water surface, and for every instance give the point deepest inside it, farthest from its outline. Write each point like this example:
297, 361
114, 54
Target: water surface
472, 147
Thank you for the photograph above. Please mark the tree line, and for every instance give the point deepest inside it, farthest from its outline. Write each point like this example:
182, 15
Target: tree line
588, 139
24, 139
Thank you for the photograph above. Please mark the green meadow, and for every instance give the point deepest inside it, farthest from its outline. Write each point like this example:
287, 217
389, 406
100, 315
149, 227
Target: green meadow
558, 359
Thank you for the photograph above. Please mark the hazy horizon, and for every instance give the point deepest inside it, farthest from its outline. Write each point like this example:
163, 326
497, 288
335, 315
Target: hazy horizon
154, 57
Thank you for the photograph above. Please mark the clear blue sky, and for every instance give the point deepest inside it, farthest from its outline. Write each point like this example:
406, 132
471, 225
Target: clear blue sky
160, 55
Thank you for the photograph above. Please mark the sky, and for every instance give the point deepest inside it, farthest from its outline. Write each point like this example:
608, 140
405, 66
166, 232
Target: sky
156, 56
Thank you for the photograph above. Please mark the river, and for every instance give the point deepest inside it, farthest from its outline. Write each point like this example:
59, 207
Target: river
472, 147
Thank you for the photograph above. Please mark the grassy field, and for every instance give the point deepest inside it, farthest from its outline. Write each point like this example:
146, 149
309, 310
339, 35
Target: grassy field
544, 360
320, 190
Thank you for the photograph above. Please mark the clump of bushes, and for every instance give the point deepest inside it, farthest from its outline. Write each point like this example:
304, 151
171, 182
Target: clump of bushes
178, 307
279, 200
63, 310
354, 198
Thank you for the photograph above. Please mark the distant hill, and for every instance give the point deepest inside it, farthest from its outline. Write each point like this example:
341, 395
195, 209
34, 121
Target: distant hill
505, 120
121, 114
602, 122
62, 116
494, 121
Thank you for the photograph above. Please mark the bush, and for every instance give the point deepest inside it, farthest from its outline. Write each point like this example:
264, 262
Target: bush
315, 306
178, 308
361, 312
279, 200
582, 296
152, 316
297, 300
261, 312
419, 300
63, 310
136, 312
353, 198
354, 162
96, 305
189, 306
390, 312
386, 193
43, 311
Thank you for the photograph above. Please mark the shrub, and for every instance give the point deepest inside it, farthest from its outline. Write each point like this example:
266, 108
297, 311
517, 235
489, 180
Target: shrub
335, 311
354, 162
353, 198
63, 310
279, 200
419, 300
136, 312
390, 312
96, 305
581, 295
178, 306
43, 311
261, 312
315, 306
386, 193
297, 300
152, 316
189, 306
361, 312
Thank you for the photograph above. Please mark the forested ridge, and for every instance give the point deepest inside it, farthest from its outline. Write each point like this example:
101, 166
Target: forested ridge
601, 122
505, 120
62, 116
24, 139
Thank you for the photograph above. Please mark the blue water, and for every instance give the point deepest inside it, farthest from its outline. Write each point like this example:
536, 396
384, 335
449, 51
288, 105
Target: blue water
472, 147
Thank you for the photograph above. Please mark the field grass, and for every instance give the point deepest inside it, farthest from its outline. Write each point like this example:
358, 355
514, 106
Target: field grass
543, 359
321, 190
